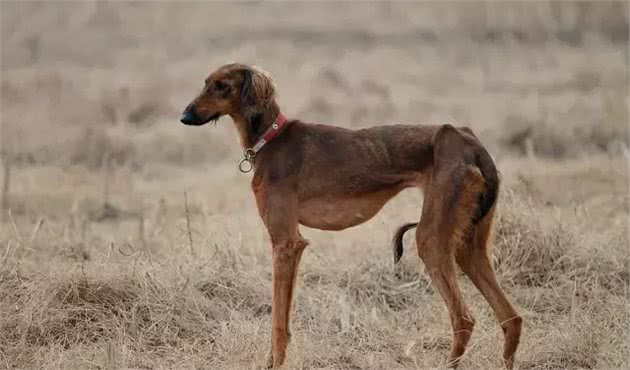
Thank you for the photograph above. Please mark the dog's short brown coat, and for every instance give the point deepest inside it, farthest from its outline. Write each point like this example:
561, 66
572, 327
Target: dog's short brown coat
332, 178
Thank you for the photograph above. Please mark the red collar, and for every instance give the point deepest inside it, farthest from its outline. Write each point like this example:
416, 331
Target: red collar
273, 131
246, 164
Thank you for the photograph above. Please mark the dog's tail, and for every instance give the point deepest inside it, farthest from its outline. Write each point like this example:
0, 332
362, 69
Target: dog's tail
397, 241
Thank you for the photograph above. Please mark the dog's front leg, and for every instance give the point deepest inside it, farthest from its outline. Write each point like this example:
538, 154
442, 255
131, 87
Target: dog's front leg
279, 211
286, 258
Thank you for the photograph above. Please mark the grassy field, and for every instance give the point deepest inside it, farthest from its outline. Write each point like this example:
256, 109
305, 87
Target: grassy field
128, 240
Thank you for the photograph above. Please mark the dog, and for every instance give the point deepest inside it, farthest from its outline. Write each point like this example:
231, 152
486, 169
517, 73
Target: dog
332, 178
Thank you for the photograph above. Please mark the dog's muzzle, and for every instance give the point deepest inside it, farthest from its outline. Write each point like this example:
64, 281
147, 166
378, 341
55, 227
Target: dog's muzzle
190, 117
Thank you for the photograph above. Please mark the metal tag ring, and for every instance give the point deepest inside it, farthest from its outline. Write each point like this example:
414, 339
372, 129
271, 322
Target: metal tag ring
249, 153
245, 165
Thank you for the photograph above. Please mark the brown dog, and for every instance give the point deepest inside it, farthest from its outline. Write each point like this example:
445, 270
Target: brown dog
331, 178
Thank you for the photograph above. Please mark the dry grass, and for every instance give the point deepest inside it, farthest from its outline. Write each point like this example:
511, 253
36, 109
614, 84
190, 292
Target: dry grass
173, 310
130, 241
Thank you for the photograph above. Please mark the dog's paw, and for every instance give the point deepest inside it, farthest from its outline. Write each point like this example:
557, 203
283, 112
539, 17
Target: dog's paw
266, 363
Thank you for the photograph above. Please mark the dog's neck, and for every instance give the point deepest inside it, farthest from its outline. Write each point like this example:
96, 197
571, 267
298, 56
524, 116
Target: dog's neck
252, 126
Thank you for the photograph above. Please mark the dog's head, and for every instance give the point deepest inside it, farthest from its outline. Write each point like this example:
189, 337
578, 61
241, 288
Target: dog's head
233, 89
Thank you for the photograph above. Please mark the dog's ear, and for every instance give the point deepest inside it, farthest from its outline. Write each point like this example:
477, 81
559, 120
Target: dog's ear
246, 87
257, 91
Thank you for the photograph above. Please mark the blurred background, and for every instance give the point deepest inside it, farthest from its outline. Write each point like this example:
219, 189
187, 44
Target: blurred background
81, 79
97, 168
90, 88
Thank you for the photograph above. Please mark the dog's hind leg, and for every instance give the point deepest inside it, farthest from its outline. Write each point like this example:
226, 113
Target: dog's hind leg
449, 204
440, 266
475, 262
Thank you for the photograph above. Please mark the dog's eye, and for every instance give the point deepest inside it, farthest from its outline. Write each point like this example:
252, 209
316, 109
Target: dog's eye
219, 85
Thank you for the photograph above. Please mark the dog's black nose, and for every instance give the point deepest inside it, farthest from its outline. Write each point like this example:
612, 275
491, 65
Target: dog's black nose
190, 117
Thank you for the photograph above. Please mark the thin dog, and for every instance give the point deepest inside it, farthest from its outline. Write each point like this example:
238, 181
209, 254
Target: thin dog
332, 178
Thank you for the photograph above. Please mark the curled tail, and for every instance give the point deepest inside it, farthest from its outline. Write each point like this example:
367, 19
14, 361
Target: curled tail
397, 241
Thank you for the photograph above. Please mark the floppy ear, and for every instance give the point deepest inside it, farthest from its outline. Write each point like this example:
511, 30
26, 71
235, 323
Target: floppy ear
246, 88
257, 91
